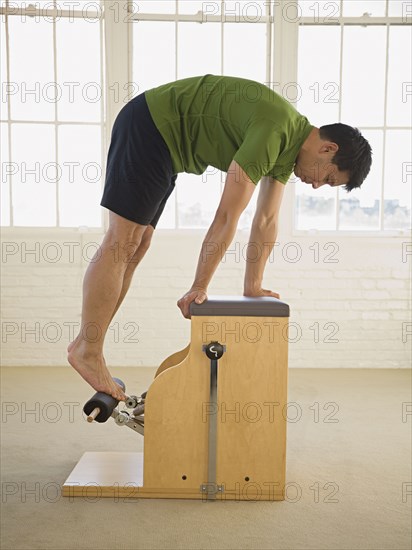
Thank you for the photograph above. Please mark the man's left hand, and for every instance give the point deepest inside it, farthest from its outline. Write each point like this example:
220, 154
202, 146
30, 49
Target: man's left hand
261, 292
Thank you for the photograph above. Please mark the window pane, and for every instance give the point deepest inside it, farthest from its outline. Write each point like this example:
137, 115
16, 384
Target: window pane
252, 11
359, 209
399, 102
80, 183
320, 11
78, 70
203, 39
168, 218
398, 176
86, 6
376, 8
154, 6
363, 77
193, 6
39, 4
154, 47
31, 68
198, 198
240, 59
318, 77
6, 168
3, 73
245, 220
34, 187
315, 208
400, 8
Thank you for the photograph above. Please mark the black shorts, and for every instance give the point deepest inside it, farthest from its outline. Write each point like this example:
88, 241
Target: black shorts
139, 173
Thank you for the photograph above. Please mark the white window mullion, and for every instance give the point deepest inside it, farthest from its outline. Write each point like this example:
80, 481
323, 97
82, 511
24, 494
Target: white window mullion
268, 44
385, 108
116, 47
177, 42
285, 70
56, 133
176, 203
6, 22
66, 122
222, 61
129, 48
337, 196
103, 104
222, 38
357, 21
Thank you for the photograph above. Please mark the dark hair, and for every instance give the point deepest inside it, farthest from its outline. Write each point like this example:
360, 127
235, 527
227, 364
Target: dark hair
354, 154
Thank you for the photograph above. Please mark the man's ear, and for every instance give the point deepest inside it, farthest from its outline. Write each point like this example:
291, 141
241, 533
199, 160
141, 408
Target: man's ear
329, 147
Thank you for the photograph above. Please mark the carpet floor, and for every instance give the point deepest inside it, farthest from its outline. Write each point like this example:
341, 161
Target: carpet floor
348, 471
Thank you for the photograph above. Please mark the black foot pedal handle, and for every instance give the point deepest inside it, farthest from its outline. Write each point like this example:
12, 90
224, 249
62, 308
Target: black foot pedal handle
101, 405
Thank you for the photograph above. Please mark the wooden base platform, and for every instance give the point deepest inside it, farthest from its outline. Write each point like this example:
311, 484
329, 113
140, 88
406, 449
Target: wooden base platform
119, 475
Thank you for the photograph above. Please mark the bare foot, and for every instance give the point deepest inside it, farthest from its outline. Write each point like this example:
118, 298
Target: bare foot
94, 370
70, 346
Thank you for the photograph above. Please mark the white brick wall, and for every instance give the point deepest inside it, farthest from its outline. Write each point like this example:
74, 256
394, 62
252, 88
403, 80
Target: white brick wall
353, 312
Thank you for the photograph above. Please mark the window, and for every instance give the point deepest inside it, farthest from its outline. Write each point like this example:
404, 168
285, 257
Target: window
52, 117
356, 69
350, 66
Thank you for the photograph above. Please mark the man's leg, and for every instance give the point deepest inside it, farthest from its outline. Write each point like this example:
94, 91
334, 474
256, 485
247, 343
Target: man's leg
144, 245
102, 290
134, 262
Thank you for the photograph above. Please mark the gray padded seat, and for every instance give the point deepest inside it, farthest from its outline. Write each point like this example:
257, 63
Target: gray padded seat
240, 306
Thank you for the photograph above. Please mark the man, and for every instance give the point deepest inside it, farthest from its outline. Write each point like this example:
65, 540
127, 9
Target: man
236, 125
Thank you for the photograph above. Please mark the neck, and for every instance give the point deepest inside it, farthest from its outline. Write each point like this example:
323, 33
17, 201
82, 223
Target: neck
311, 140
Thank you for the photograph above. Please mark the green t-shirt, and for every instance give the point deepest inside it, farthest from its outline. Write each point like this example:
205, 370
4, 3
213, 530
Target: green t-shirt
211, 120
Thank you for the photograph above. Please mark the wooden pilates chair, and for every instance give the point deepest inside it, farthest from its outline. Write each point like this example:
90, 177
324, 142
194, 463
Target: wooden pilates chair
213, 419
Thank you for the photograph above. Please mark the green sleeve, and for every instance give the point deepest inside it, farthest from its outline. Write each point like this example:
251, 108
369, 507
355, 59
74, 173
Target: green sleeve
282, 177
259, 151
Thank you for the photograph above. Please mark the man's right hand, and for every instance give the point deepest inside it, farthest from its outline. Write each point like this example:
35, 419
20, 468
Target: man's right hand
193, 295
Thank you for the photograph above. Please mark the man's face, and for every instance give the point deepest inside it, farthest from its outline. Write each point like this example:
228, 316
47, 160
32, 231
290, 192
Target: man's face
316, 169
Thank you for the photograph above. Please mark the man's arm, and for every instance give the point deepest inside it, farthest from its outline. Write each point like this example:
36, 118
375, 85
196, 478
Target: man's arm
263, 236
236, 195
